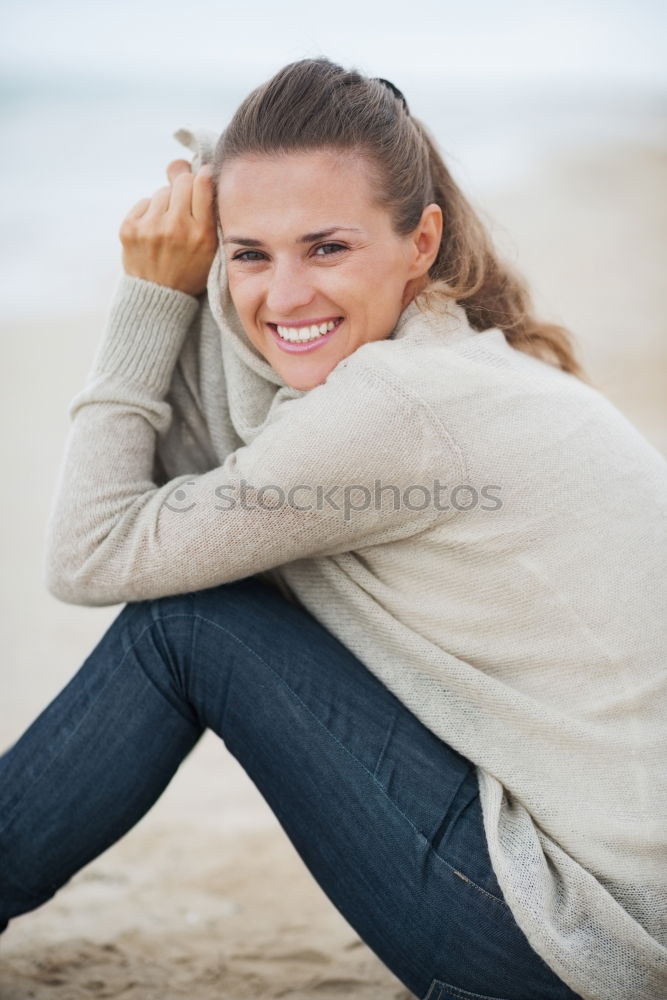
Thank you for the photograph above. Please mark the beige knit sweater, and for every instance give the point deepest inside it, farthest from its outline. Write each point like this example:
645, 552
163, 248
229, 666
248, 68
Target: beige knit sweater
485, 532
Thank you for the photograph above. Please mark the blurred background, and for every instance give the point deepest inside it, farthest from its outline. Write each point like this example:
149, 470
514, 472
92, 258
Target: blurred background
552, 118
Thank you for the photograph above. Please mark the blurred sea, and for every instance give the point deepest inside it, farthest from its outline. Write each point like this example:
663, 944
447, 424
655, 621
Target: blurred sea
78, 152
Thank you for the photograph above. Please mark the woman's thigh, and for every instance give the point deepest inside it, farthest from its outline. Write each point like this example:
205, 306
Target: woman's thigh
384, 814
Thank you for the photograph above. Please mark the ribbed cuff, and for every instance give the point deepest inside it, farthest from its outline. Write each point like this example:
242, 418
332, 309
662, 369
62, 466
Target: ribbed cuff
145, 331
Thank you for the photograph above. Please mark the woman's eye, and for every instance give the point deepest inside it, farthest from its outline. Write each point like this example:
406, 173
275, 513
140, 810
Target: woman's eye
244, 255
330, 248
323, 250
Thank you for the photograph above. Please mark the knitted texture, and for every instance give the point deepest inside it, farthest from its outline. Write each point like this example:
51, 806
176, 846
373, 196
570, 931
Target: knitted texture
485, 532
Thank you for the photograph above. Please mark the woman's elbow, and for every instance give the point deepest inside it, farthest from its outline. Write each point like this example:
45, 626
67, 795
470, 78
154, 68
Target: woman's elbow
70, 592
76, 586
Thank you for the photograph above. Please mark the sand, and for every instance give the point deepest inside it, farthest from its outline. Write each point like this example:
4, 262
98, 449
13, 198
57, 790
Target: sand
206, 897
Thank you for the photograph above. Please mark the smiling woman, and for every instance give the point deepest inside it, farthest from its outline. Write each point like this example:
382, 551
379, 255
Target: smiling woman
315, 374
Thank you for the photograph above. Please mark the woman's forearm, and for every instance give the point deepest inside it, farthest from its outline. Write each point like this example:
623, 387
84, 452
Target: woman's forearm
115, 421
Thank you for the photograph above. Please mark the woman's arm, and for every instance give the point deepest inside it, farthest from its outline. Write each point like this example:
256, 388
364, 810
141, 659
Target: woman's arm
197, 394
306, 486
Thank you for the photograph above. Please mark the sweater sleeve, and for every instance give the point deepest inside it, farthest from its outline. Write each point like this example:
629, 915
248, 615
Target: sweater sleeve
346, 465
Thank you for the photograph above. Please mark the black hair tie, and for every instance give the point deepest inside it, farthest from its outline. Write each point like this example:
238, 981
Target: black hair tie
395, 91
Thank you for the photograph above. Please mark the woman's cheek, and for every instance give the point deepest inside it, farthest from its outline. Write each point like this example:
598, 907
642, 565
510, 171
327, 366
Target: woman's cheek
242, 290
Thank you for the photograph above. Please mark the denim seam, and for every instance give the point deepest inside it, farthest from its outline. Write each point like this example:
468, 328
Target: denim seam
222, 628
156, 619
464, 878
147, 628
390, 731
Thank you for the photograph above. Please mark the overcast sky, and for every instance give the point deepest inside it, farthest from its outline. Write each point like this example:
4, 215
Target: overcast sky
602, 42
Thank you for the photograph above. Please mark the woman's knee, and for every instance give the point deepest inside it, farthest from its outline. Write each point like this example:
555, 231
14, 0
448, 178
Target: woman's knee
249, 610
179, 638
160, 614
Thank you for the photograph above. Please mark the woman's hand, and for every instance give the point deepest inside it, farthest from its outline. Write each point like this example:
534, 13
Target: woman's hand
171, 238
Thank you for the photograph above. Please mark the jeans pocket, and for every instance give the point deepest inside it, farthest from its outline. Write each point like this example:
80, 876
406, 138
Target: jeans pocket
461, 841
439, 990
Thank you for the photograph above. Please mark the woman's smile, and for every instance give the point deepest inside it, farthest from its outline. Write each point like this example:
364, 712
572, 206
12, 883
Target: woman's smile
305, 336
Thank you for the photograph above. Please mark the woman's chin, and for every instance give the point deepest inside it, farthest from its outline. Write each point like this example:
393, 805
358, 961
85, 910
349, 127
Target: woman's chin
303, 379
303, 371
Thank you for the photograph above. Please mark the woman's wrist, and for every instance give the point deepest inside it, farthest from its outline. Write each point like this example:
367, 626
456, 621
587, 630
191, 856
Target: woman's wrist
145, 331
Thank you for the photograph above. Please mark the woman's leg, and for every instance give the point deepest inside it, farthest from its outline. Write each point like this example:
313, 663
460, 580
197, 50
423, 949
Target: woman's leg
384, 814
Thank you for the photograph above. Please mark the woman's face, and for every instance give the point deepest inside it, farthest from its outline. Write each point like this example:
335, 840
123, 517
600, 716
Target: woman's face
310, 255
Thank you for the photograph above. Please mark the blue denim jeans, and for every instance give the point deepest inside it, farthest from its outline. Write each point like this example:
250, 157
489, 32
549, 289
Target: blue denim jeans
384, 814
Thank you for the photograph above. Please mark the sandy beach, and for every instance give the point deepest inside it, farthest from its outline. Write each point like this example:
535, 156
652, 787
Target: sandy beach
206, 898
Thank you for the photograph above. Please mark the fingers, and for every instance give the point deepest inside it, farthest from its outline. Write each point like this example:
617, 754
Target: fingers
138, 210
177, 167
202, 194
192, 194
187, 193
181, 194
159, 203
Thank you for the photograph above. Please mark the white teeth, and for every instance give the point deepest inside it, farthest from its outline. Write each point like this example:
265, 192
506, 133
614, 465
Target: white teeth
304, 333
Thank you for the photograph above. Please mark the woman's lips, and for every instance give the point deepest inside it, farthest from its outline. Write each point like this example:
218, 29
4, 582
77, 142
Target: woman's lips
311, 345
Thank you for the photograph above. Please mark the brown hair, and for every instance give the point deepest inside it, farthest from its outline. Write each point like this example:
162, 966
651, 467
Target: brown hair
315, 104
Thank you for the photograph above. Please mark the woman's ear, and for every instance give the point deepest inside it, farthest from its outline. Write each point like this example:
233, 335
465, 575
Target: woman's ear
426, 239
425, 243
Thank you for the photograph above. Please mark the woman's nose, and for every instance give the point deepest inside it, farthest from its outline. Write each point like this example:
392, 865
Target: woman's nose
289, 289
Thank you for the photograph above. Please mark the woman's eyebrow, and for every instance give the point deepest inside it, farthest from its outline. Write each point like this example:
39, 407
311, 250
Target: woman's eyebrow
246, 241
